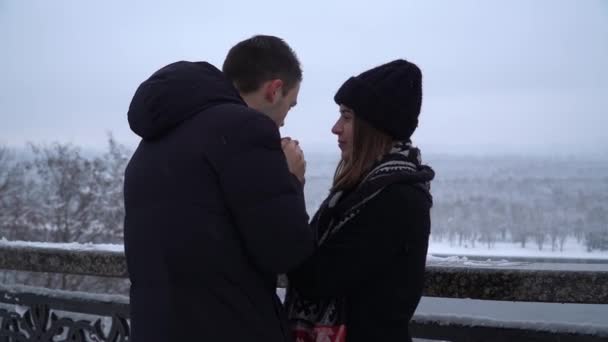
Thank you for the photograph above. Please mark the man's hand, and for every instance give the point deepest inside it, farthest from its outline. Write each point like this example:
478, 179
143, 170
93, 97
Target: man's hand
295, 158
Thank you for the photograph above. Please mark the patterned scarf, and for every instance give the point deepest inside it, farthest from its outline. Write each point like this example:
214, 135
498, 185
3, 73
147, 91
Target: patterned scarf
324, 320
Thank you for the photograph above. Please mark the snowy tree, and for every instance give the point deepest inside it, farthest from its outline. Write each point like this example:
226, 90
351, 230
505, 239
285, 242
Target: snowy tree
65, 193
15, 192
76, 199
442, 215
597, 236
539, 235
8, 184
463, 225
519, 222
109, 174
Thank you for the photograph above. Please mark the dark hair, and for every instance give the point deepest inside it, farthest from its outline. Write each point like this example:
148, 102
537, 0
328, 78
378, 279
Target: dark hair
369, 145
259, 59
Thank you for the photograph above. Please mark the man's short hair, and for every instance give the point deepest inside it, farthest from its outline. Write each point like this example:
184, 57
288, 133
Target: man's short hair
261, 58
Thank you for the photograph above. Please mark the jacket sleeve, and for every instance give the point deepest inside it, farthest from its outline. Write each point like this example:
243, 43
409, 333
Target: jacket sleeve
364, 248
265, 199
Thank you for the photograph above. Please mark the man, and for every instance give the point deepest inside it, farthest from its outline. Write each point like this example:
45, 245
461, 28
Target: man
213, 198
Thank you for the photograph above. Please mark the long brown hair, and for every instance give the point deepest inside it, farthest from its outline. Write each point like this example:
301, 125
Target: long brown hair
369, 145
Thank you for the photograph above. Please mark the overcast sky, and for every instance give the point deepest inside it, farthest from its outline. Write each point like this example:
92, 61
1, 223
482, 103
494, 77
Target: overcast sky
499, 76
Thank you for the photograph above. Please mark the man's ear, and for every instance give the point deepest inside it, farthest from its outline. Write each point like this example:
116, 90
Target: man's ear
273, 90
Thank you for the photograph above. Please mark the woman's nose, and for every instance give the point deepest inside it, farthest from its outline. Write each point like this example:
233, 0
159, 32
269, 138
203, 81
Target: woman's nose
337, 129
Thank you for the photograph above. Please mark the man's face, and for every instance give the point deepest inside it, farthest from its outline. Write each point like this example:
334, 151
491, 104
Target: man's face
278, 108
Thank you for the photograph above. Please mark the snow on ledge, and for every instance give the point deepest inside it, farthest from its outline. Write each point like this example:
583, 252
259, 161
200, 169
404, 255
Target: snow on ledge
476, 321
13, 292
72, 246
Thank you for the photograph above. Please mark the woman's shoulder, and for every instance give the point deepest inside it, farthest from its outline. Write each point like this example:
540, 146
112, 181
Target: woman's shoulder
395, 207
404, 194
397, 203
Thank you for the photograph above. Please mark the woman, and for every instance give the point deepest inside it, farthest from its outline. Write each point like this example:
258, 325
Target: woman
365, 279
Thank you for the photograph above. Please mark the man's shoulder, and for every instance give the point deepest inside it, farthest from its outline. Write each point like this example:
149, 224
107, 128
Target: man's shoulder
229, 130
236, 112
234, 117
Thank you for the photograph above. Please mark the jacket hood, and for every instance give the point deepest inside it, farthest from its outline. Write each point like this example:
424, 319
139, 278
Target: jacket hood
176, 93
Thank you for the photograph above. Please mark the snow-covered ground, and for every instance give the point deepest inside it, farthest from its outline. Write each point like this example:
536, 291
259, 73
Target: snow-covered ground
519, 264
572, 249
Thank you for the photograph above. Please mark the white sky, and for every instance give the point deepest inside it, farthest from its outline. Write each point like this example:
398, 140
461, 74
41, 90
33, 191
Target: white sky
499, 76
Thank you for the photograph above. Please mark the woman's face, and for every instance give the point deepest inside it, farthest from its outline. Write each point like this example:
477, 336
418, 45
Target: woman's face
344, 130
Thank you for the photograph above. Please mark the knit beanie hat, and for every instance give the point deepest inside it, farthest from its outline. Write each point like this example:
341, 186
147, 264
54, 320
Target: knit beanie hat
388, 97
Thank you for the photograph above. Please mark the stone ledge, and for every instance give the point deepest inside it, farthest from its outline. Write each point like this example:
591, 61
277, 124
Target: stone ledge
513, 283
